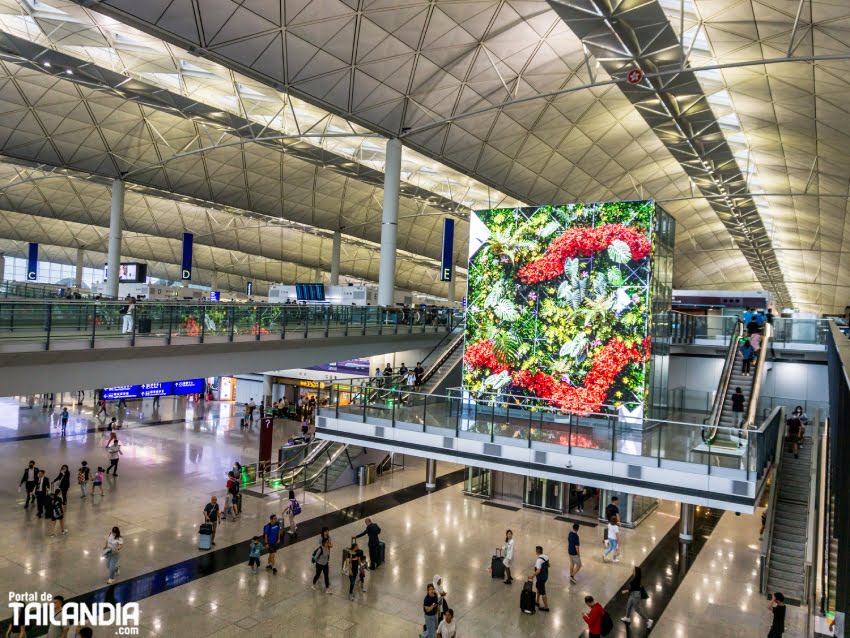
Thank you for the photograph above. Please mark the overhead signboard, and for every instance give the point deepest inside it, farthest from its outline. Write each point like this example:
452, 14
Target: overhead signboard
159, 389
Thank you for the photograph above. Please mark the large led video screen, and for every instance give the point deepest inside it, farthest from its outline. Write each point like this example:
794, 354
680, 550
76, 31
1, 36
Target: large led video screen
559, 307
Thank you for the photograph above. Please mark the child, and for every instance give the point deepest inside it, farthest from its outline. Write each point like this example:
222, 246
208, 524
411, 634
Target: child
254, 554
292, 510
98, 481
363, 573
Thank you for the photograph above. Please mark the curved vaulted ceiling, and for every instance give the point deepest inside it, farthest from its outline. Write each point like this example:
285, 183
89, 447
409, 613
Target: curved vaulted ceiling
186, 96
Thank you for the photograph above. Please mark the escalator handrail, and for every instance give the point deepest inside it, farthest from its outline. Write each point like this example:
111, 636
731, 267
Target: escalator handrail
454, 345
755, 388
723, 386
291, 479
767, 537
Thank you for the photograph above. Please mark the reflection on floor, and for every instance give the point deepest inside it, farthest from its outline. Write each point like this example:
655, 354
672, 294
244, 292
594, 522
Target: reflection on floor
719, 598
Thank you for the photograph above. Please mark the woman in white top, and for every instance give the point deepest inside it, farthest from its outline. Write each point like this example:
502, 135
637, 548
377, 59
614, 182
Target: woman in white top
112, 551
442, 605
613, 540
448, 627
508, 556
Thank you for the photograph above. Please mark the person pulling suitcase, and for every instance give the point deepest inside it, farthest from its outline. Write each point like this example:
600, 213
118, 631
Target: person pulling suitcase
376, 553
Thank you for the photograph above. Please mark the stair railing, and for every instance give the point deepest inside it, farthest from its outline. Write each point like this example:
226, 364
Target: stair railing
713, 421
758, 378
454, 345
767, 537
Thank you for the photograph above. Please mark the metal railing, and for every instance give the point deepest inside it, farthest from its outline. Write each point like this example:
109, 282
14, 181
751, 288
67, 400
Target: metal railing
34, 325
812, 540
498, 418
714, 330
33, 290
764, 556
758, 376
713, 420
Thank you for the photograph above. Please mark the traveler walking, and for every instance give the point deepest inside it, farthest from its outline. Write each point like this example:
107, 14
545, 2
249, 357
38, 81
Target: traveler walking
29, 480
636, 593
212, 515
57, 513
354, 563
127, 311
429, 607
579, 498
612, 509
613, 540
447, 627
42, 494
58, 630
321, 559
254, 551
112, 553
777, 608
755, 342
64, 481
292, 510
113, 449
64, 419
102, 408
271, 538
574, 552
83, 476
747, 354
98, 482
373, 532
541, 574
230, 507
508, 556
593, 618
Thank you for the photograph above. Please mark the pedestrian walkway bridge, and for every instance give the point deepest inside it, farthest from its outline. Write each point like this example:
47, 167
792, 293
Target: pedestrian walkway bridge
65, 345
658, 458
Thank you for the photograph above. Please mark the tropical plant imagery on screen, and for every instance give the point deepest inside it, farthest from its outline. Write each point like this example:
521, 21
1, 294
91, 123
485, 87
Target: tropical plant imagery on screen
558, 304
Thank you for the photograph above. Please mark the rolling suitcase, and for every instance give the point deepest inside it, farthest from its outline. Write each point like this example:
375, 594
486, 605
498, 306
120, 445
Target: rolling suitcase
205, 536
143, 327
527, 599
381, 556
497, 565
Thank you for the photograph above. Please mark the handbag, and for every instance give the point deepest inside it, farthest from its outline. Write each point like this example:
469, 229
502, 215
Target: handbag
346, 567
643, 594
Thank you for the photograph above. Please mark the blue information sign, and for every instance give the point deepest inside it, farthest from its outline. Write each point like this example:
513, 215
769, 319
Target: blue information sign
160, 389
215, 295
447, 259
186, 262
32, 262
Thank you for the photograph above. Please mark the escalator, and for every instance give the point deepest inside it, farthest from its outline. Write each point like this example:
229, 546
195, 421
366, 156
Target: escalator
722, 426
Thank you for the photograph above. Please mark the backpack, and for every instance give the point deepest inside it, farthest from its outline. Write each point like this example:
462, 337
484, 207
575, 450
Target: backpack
295, 507
544, 571
234, 487
316, 553
607, 625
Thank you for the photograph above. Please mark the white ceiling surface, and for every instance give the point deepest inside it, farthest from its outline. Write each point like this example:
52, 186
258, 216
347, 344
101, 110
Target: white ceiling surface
65, 209
389, 65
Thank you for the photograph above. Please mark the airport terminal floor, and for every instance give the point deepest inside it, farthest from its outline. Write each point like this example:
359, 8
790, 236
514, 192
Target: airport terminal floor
178, 456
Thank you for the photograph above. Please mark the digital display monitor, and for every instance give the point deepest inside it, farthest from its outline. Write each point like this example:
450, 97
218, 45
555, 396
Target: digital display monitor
559, 304
310, 292
129, 273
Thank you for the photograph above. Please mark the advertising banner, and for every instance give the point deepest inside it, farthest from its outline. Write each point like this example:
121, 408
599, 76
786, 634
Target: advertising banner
351, 366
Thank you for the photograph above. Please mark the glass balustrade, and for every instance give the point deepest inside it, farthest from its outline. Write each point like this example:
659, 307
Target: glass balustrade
607, 435
43, 325
714, 330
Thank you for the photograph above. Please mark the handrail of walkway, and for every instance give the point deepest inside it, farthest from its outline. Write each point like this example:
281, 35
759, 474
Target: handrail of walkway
815, 505
31, 326
758, 377
497, 417
723, 385
714, 330
767, 537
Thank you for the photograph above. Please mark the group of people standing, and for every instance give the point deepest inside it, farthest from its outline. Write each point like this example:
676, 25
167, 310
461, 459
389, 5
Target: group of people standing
410, 379
51, 497
749, 350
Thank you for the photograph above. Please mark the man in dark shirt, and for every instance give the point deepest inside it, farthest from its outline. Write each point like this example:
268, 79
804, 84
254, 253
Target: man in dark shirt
29, 479
738, 410
777, 606
212, 515
573, 549
42, 493
372, 531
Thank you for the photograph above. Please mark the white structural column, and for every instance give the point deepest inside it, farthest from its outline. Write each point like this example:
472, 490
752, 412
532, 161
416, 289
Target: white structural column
389, 223
214, 280
116, 223
336, 249
452, 285
78, 274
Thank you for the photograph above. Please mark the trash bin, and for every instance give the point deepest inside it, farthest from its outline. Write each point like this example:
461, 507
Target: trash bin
361, 475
